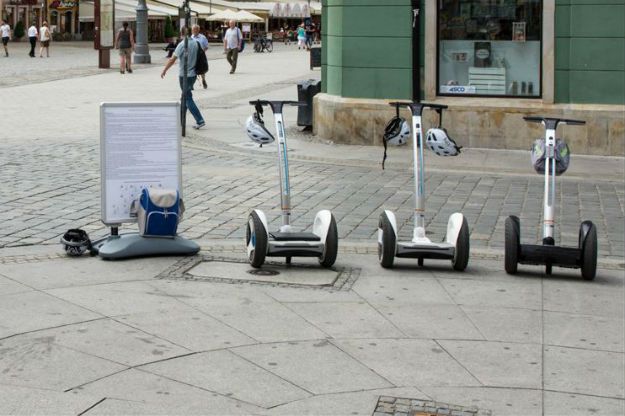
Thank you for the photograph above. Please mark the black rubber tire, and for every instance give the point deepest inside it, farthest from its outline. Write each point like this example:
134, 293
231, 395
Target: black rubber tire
463, 247
420, 261
386, 250
548, 269
259, 235
269, 46
589, 254
512, 244
331, 249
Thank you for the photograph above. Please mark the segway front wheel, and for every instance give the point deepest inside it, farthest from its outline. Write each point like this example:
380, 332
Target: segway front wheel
386, 242
461, 254
588, 246
331, 247
513, 244
255, 240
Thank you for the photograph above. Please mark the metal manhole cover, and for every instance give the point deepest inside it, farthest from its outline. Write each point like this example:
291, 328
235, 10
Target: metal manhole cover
230, 270
263, 272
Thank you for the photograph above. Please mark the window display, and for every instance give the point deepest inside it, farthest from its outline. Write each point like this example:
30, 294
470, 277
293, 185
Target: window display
489, 47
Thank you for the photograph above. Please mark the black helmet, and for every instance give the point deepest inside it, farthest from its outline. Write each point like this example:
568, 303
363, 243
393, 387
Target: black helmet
76, 242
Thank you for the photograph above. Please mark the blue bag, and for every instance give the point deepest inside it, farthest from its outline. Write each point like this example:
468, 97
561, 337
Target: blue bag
158, 212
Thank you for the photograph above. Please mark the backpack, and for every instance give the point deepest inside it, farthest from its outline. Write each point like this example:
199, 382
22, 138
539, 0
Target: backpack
201, 63
158, 212
562, 156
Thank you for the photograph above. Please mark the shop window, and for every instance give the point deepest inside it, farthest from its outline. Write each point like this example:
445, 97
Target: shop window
489, 47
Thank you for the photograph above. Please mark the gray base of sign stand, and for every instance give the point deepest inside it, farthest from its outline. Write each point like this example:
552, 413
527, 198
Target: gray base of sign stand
133, 245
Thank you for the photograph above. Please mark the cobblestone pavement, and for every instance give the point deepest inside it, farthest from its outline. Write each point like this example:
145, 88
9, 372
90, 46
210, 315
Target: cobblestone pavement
46, 197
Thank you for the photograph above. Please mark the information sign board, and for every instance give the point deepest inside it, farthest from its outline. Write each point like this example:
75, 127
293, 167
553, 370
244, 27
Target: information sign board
139, 147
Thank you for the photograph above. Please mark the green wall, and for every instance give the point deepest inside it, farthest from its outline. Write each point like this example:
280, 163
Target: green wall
590, 51
367, 49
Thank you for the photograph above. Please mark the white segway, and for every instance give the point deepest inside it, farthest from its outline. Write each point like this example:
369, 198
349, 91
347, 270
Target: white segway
322, 242
585, 255
455, 247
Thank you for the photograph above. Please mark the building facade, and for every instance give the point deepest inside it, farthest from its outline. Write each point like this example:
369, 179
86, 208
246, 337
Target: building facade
491, 61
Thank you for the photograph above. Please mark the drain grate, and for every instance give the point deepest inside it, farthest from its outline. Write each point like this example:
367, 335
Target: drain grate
263, 272
388, 406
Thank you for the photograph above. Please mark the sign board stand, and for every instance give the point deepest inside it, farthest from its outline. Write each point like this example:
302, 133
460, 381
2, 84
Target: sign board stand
139, 148
104, 41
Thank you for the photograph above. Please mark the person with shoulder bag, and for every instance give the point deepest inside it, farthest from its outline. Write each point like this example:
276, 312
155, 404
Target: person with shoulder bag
125, 42
45, 36
233, 40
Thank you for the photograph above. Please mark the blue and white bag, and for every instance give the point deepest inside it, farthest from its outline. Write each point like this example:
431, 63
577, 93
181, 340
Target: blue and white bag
158, 212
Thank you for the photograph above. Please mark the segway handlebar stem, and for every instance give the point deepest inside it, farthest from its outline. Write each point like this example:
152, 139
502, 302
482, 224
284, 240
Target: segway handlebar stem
551, 123
276, 106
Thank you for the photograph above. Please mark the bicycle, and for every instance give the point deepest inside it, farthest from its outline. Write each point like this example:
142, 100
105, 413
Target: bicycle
262, 44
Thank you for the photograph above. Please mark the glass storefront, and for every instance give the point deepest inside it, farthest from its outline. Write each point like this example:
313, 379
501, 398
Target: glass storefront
489, 47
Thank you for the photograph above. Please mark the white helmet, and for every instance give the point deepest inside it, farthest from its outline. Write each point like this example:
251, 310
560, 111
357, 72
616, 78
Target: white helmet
257, 131
396, 131
440, 143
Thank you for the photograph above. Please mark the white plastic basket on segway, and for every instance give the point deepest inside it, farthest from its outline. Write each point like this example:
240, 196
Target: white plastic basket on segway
260, 243
550, 158
455, 247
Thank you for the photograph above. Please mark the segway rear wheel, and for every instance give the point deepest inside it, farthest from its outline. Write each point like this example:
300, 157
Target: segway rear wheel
589, 250
386, 242
461, 254
331, 248
513, 244
256, 240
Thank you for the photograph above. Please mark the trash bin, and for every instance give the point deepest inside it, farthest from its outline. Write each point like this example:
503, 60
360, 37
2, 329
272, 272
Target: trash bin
306, 90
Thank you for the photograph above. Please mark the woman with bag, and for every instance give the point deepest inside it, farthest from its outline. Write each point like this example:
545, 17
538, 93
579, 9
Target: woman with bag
125, 42
44, 39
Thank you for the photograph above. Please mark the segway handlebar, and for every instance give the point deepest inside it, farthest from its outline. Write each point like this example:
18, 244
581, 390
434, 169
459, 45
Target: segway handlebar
276, 106
417, 108
552, 122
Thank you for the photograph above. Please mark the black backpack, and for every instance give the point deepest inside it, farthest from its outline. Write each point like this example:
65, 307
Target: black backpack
201, 63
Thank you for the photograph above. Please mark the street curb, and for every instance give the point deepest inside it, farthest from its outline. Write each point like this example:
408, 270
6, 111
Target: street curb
36, 253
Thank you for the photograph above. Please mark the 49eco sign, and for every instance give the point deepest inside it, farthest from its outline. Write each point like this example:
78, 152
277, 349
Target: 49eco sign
457, 89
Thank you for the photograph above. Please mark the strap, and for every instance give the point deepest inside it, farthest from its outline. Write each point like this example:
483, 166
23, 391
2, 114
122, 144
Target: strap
259, 109
385, 145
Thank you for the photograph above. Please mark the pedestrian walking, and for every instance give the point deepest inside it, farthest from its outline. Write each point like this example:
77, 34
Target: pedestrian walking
44, 39
201, 39
125, 42
179, 53
232, 44
32, 38
5, 31
309, 36
301, 37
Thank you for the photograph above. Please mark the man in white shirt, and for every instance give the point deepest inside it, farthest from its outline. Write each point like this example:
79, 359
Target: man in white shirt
201, 39
5, 32
232, 44
32, 37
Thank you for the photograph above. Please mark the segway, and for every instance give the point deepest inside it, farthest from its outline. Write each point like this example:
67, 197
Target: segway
585, 255
455, 247
322, 242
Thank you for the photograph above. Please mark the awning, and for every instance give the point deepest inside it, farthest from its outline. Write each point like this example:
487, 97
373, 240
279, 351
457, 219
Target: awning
222, 16
125, 10
245, 16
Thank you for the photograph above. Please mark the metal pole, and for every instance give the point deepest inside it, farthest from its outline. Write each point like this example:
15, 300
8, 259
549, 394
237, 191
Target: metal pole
142, 51
185, 81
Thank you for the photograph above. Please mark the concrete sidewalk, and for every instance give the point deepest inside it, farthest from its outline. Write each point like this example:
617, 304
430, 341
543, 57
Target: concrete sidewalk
207, 335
